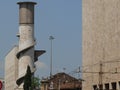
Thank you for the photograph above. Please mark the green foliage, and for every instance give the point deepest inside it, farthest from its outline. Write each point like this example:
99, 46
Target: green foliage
35, 82
30, 82
27, 79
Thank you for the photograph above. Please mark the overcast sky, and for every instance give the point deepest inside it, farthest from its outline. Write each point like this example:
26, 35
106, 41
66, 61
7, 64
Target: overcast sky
59, 18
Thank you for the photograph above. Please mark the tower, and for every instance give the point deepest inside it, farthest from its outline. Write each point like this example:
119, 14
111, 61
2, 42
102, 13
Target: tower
26, 37
23, 54
27, 54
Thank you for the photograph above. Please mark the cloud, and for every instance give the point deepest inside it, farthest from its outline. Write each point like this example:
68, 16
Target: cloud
40, 65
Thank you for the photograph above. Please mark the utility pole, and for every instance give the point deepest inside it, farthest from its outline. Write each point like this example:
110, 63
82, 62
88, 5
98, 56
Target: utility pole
100, 77
51, 38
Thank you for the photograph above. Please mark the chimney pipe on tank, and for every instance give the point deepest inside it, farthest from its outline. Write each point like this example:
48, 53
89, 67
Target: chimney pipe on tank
26, 12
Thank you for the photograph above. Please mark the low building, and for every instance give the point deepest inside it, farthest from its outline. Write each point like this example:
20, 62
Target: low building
61, 81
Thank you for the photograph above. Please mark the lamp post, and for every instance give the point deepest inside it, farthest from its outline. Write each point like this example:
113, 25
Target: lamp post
51, 38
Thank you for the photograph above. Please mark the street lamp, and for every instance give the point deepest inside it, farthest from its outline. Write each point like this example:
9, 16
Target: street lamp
51, 38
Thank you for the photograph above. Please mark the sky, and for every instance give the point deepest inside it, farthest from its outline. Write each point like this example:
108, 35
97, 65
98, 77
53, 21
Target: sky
61, 19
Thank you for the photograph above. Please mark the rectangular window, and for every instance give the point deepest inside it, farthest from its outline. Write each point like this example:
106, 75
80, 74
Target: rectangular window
94, 87
107, 86
114, 87
100, 87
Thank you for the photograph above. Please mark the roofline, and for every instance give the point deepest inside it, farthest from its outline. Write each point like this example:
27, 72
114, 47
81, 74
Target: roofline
27, 2
11, 49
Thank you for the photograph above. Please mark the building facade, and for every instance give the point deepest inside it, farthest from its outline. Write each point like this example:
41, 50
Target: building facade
11, 69
101, 44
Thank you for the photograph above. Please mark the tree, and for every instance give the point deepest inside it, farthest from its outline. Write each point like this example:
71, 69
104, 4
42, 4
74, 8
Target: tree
30, 82
35, 82
27, 79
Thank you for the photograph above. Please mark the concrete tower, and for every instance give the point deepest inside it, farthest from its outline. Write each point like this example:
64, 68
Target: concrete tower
26, 37
24, 53
101, 44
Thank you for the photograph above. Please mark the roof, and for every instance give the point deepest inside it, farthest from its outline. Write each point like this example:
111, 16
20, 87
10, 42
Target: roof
27, 2
65, 80
64, 77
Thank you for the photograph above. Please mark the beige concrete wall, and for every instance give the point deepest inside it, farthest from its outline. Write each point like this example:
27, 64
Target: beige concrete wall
11, 69
101, 42
26, 49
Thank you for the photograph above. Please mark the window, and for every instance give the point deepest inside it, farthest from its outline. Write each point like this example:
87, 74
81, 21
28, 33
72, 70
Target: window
114, 86
107, 86
94, 87
100, 87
